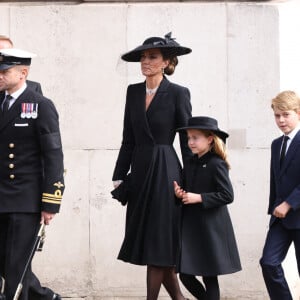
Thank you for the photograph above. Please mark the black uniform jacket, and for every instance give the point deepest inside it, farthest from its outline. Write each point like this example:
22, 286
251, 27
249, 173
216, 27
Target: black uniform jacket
285, 182
31, 158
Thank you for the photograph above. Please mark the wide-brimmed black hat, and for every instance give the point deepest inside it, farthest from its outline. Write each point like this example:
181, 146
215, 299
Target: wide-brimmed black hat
205, 123
167, 43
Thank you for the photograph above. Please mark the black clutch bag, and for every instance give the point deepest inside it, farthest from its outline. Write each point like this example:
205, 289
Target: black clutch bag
122, 192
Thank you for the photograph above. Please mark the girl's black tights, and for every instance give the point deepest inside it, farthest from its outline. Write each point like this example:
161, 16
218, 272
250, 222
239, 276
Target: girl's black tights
210, 291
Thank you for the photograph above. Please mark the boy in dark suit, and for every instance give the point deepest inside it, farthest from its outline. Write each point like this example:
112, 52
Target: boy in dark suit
284, 199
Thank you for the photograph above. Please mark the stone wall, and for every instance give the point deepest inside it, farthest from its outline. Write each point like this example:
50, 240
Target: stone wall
243, 55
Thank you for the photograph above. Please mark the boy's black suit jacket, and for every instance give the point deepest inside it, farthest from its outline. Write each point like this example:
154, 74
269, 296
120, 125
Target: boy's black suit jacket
285, 182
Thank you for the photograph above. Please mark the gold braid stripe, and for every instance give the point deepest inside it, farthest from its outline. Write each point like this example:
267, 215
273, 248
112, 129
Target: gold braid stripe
51, 201
52, 198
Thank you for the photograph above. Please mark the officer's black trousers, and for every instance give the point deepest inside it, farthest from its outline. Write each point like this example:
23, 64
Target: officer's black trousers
17, 234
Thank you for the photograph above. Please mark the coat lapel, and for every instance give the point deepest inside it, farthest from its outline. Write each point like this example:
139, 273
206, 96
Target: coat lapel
291, 152
159, 93
276, 155
155, 101
138, 108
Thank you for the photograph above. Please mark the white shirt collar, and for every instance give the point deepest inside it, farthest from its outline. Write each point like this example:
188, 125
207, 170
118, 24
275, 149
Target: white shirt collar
17, 93
292, 134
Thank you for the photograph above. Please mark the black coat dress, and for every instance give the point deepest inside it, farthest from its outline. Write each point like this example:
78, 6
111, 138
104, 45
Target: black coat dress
208, 243
153, 213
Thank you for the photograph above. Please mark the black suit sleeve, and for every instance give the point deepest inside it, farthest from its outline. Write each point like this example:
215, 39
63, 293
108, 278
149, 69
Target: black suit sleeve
272, 194
183, 113
127, 146
223, 193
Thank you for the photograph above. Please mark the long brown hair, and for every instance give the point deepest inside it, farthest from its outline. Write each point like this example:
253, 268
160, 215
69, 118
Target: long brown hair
217, 146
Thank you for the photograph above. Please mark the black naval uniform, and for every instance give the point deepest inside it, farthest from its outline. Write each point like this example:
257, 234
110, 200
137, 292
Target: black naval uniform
31, 181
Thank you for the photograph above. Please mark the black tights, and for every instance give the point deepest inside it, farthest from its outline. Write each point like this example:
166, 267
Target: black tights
211, 290
166, 276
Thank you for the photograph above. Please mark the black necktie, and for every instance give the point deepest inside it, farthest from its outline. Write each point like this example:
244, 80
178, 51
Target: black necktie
5, 104
283, 150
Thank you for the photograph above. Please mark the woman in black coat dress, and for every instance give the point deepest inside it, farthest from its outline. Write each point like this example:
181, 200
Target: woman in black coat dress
208, 243
154, 109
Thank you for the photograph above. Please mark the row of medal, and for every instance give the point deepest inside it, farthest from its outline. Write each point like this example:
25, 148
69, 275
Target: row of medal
29, 110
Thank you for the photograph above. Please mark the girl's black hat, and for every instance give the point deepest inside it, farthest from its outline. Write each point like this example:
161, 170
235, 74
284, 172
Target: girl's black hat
167, 43
205, 123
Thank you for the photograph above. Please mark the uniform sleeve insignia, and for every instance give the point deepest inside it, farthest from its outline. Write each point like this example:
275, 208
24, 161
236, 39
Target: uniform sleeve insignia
52, 198
58, 184
56, 197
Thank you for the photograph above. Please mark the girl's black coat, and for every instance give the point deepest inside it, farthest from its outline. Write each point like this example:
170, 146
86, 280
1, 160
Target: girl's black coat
208, 242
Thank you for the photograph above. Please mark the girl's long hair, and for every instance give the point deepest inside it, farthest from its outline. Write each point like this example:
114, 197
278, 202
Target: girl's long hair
217, 146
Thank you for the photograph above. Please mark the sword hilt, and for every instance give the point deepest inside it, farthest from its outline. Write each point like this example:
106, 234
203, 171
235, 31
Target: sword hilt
42, 235
18, 291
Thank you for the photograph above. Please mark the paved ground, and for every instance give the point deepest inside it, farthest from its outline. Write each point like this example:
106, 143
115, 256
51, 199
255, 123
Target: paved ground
144, 298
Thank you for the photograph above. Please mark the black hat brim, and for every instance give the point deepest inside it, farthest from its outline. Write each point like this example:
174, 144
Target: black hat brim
135, 54
221, 134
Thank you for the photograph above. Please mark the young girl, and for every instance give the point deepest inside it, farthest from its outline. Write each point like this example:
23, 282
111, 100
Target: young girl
208, 244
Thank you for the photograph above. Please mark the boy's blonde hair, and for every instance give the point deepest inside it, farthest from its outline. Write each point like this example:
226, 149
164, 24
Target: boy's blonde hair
286, 100
217, 146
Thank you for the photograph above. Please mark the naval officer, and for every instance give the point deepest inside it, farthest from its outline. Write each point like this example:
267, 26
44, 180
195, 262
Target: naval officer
31, 172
